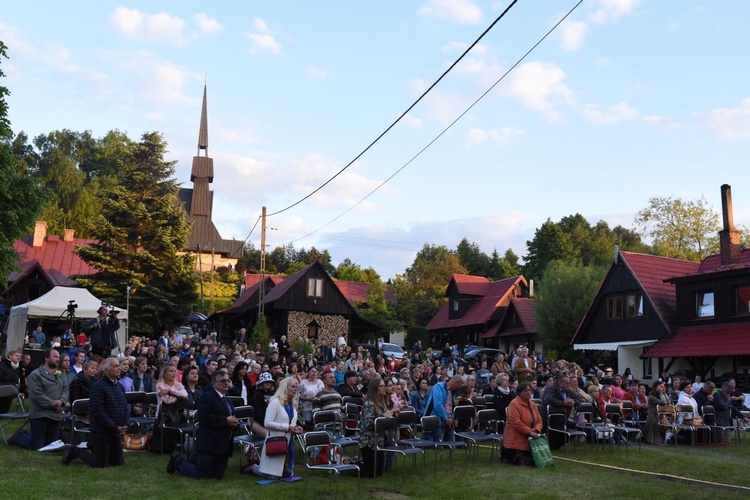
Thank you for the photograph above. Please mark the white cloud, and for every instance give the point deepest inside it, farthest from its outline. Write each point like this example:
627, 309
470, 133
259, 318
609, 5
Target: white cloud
502, 136
462, 11
538, 85
662, 122
412, 121
263, 41
461, 46
158, 81
127, 21
731, 123
572, 34
162, 27
317, 73
207, 25
612, 10
613, 114
260, 25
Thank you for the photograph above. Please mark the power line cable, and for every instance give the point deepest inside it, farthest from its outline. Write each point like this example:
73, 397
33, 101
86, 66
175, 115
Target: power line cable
450, 125
402, 114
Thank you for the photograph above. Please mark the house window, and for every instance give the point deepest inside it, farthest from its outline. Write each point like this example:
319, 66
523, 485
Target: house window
742, 300
614, 308
634, 305
455, 305
704, 304
315, 287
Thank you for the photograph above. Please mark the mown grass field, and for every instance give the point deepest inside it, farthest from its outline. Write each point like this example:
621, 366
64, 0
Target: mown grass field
26, 474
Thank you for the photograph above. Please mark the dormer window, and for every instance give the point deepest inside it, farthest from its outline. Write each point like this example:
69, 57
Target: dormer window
704, 304
455, 305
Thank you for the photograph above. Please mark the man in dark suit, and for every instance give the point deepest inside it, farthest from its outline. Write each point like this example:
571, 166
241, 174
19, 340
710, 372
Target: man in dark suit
560, 399
214, 442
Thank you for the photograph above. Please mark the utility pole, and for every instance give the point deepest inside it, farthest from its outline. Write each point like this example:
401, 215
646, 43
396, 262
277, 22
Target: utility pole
262, 285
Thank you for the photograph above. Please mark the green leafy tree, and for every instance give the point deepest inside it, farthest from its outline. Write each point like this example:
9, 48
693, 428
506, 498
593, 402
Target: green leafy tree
679, 228
141, 234
550, 243
476, 262
261, 334
377, 309
21, 196
420, 290
565, 291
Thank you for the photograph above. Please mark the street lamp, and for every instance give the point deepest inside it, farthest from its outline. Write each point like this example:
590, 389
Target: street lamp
127, 306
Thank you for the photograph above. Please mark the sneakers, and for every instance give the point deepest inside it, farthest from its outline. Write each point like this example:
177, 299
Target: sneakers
668, 437
68, 454
171, 465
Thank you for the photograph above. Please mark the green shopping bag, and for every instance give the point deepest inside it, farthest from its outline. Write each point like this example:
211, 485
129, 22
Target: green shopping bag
541, 452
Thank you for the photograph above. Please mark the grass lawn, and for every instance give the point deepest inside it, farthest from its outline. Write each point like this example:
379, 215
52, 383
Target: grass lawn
27, 474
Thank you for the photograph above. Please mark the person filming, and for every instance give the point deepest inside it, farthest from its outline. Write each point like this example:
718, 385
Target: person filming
101, 331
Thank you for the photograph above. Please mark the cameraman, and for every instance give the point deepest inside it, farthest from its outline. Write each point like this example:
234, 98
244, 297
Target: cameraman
101, 331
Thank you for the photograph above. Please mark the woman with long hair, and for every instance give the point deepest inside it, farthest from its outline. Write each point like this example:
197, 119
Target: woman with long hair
657, 397
295, 373
375, 406
308, 389
240, 384
281, 420
171, 403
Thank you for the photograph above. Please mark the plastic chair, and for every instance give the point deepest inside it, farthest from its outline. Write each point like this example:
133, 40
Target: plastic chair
557, 423
9, 391
613, 413
147, 402
312, 443
330, 421
408, 421
709, 420
430, 424
79, 418
471, 435
595, 431
384, 424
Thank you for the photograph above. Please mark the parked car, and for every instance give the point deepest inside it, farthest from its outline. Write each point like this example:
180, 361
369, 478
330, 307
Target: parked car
393, 350
472, 355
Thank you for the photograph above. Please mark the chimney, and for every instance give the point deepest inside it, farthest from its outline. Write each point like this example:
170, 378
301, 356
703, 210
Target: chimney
69, 234
40, 232
531, 288
729, 237
617, 254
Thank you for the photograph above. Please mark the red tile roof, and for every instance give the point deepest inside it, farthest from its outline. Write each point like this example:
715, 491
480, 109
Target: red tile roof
524, 307
56, 257
712, 263
491, 332
356, 292
731, 339
482, 310
471, 285
651, 271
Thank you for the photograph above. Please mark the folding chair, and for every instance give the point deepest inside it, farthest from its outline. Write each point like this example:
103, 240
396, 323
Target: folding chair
613, 413
634, 420
236, 401
330, 421
147, 402
408, 421
557, 423
384, 424
709, 420
430, 424
311, 443
9, 391
595, 431
244, 435
471, 435
186, 429
79, 414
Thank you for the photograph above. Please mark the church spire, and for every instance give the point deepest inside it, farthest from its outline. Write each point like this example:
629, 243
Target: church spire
203, 133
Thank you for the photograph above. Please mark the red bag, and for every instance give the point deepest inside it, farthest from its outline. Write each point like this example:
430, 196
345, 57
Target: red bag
276, 446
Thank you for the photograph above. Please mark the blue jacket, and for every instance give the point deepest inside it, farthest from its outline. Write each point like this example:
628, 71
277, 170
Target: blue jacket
436, 402
108, 408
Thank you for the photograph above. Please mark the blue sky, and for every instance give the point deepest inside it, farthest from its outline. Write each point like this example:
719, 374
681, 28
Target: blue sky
626, 100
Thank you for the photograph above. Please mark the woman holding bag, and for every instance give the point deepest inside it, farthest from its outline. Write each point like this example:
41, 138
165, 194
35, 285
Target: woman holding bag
523, 422
281, 421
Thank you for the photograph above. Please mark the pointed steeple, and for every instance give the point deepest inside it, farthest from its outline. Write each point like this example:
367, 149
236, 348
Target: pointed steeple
203, 132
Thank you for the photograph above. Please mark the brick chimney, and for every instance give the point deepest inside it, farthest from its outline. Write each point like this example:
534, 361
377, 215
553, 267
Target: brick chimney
40, 232
68, 234
729, 237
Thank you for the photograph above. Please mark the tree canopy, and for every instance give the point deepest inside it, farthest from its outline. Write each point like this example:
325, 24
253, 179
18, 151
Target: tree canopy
141, 235
21, 195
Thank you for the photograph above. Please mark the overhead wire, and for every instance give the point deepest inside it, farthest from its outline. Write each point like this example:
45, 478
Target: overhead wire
448, 127
502, 14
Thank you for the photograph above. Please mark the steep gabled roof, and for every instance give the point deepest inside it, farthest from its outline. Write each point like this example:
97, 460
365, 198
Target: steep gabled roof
481, 312
712, 264
524, 307
55, 257
727, 339
356, 292
651, 273
470, 285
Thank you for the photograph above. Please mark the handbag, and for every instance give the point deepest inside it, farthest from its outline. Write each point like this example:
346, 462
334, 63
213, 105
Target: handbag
276, 446
135, 442
541, 452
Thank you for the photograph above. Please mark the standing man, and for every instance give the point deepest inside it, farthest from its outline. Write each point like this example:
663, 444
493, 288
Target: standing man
48, 397
440, 403
108, 417
39, 336
328, 398
101, 331
524, 366
215, 438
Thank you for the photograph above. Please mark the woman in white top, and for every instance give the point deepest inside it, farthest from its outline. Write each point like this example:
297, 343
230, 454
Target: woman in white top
308, 389
686, 398
281, 420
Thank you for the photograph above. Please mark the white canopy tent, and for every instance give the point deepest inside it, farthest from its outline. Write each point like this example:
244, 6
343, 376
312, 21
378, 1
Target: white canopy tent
54, 305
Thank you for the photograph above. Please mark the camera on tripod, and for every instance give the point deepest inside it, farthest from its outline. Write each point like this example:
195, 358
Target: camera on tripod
71, 309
